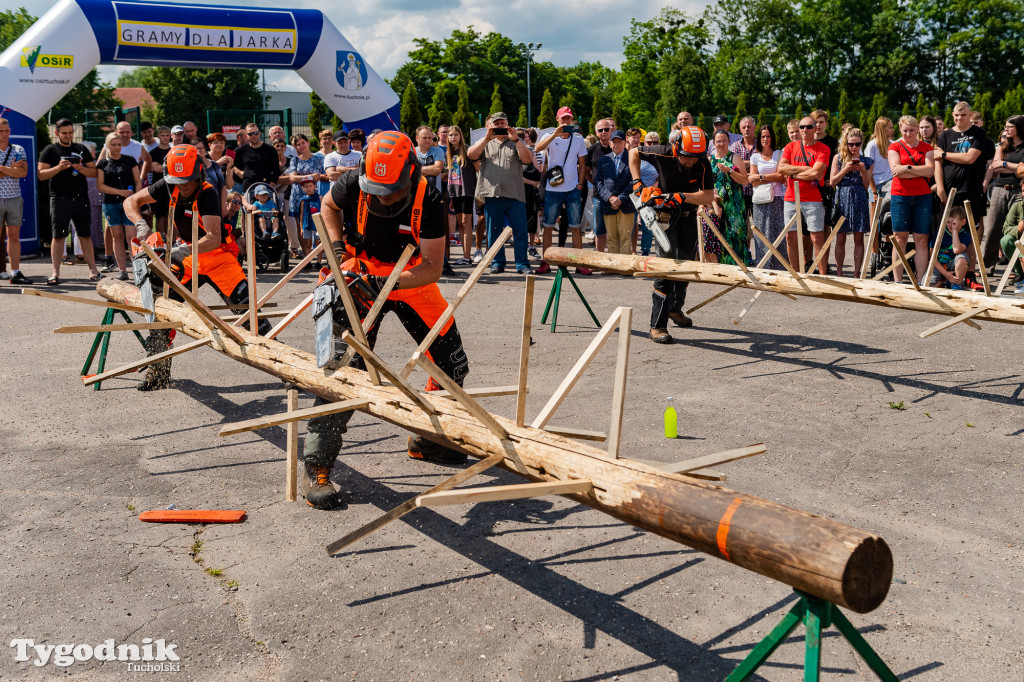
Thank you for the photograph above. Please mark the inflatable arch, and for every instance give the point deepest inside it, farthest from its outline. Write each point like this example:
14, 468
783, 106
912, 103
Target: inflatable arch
75, 36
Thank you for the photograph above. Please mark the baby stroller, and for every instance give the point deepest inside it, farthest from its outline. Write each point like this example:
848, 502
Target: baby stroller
269, 229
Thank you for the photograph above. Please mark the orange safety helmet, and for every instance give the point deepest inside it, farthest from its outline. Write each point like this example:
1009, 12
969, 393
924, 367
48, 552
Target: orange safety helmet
692, 142
387, 164
182, 164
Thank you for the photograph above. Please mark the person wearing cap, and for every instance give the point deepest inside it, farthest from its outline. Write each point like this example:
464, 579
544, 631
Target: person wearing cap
177, 135
185, 192
342, 159
499, 185
564, 173
612, 186
392, 205
685, 181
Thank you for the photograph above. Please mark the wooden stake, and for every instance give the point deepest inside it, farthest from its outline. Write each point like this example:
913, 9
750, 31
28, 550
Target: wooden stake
739, 261
578, 434
407, 506
250, 262
346, 296
232, 306
292, 451
823, 252
577, 370
619, 389
906, 264
938, 238
171, 229
977, 247
195, 252
292, 416
956, 320
799, 224
464, 399
382, 297
474, 277
264, 302
96, 378
713, 460
192, 301
134, 326
486, 392
869, 245
291, 316
775, 252
234, 319
87, 301
892, 266
748, 306
401, 384
1002, 282
760, 264
524, 351
495, 493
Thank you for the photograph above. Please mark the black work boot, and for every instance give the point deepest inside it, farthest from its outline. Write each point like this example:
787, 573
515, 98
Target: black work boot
321, 494
421, 448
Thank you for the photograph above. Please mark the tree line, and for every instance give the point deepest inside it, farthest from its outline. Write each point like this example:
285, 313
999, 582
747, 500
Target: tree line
769, 58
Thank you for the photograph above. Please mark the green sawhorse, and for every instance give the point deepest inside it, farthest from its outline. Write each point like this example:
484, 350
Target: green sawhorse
102, 341
816, 614
556, 294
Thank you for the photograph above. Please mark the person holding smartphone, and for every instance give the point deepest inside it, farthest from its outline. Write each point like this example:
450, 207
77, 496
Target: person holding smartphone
564, 173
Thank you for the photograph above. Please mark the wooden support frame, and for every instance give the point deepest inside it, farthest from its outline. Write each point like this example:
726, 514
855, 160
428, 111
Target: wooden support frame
774, 251
698, 463
264, 302
482, 392
232, 306
964, 317
760, 264
906, 265
292, 416
292, 449
131, 367
977, 247
250, 263
171, 229
824, 251
346, 296
892, 266
1009, 268
195, 303
86, 301
524, 351
750, 304
407, 506
938, 237
134, 326
382, 297
619, 388
474, 277
869, 245
234, 319
517, 491
195, 253
291, 316
467, 402
577, 370
578, 434
372, 359
739, 261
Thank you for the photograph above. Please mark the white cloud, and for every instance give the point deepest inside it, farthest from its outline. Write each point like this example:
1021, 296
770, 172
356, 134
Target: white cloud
383, 30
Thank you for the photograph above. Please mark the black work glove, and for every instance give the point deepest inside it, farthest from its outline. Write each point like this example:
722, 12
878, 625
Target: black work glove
338, 247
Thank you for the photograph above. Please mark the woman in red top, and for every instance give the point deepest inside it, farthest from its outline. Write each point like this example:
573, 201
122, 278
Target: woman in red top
911, 202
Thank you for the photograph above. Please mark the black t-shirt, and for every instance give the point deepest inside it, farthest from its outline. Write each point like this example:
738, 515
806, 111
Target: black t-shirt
67, 183
966, 178
117, 174
258, 164
385, 239
158, 155
1011, 155
673, 177
833, 148
209, 206
595, 152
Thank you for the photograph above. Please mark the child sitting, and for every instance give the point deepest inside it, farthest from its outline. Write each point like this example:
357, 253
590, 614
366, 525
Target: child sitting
265, 209
951, 264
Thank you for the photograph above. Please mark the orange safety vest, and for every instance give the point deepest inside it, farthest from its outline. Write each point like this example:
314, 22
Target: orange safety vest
363, 214
195, 208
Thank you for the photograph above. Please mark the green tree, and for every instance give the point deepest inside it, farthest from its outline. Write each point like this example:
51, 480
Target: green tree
798, 113
1011, 103
13, 23
865, 120
779, 128
843, 114
496, 104
135, 77
906, 109
619, 116
701, 122
983, 104
411, 117
762, 117
546, 117
948, 118
598, 111
439, 112
921, 109
462, 118
183, 93
522, 121
741, 109
318, 114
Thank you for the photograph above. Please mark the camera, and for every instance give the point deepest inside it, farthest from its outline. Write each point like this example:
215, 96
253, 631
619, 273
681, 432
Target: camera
500, 131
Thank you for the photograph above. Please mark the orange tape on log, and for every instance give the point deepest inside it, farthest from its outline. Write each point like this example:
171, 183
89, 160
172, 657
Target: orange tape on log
723, 525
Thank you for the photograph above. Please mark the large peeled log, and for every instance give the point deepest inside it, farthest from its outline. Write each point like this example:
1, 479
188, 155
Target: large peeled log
828, 559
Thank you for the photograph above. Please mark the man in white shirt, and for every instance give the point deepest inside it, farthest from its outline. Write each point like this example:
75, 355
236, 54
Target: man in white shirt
277, 133
565, 156
342, 160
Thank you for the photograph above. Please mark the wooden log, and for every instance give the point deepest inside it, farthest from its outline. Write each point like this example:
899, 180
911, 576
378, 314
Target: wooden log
760, 264
823, 557
937, 301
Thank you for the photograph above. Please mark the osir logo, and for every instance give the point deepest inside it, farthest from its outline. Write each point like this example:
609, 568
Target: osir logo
33, 57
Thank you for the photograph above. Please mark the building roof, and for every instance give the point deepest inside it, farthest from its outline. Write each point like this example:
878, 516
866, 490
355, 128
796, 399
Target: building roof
134, 97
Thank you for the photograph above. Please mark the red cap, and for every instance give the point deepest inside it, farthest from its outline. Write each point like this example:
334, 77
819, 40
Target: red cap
564, 111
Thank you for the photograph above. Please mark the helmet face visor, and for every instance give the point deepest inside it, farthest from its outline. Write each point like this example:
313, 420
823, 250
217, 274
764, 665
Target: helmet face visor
383, 189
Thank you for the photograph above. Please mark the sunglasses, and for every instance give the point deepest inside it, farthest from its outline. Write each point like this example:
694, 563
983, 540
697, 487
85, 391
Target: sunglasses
807, 127
254, 133
604, 130
235, 201
853, 144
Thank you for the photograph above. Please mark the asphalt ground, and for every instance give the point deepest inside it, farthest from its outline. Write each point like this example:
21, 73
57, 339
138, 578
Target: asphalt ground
918, 440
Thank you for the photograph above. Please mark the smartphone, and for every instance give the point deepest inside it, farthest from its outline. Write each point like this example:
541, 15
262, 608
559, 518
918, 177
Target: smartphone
855, 162
500, 131
572, 130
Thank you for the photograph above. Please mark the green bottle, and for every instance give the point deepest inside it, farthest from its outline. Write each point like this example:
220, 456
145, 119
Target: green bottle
671, 426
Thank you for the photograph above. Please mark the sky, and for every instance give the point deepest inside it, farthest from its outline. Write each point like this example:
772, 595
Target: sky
383, 30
